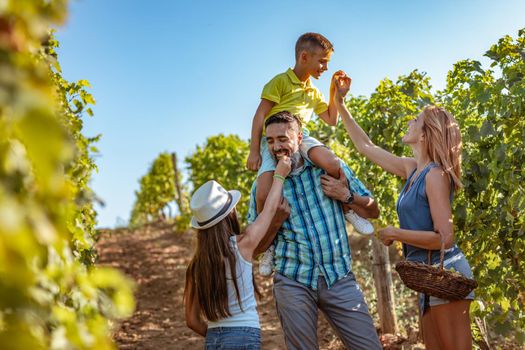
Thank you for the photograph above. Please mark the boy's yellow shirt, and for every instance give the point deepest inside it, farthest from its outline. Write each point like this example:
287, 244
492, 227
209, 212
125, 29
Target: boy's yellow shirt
292, 95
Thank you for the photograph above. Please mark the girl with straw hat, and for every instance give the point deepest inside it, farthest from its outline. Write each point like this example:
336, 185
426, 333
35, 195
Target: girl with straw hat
219, 294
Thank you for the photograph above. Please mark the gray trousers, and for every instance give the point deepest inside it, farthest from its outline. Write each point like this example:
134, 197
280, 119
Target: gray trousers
343, 305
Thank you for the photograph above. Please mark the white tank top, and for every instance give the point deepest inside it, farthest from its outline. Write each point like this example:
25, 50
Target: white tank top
247, 317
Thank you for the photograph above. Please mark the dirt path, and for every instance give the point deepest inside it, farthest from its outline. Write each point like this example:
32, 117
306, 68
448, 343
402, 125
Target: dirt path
156, 258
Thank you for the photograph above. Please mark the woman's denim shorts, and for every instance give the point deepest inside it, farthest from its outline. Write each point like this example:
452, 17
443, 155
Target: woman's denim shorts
234, 338
461, 265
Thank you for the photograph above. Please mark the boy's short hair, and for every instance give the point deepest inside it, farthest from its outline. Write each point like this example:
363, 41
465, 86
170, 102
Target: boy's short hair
283, 117
311, 41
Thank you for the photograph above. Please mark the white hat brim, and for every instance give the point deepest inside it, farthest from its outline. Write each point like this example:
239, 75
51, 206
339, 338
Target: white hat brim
236, 196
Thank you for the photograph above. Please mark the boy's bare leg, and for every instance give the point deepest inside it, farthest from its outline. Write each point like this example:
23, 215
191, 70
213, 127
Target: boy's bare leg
324, 158
264, 184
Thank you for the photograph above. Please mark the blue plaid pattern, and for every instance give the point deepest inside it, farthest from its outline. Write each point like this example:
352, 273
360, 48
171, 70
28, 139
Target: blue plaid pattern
313, 240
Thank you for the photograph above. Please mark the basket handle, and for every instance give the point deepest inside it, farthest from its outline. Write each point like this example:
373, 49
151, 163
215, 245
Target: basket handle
442, 252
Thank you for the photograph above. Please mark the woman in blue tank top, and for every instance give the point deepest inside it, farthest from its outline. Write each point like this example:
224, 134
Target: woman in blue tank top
219, 295
424, 207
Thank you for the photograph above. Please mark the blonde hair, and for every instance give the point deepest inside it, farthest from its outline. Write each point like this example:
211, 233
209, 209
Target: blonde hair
444, 144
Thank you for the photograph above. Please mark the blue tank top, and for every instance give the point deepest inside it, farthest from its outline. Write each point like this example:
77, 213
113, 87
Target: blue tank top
413, 211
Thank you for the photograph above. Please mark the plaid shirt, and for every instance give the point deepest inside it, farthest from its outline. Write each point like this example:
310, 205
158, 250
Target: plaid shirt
313, 240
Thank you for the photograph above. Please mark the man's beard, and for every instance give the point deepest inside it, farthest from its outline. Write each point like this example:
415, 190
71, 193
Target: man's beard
296, 160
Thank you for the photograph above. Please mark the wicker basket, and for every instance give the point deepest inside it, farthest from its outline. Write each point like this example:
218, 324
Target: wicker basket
435, 281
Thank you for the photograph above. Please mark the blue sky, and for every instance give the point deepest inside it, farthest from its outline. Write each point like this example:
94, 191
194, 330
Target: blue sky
168, 74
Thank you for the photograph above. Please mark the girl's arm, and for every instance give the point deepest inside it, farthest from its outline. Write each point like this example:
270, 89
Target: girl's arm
192, 312
282, 213
255, 232
438, 190
400, 166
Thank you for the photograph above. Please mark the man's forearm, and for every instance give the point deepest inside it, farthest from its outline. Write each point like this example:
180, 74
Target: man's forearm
338, 189
365, 207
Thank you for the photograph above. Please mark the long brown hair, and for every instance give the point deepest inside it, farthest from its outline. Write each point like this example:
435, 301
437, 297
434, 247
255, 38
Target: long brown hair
444, 144
206, 273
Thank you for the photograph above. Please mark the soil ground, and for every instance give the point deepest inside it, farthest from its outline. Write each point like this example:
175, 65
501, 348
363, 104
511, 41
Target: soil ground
155, 257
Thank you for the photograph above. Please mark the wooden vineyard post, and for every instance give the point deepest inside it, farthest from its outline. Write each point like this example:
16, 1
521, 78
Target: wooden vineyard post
179, 197
383, 282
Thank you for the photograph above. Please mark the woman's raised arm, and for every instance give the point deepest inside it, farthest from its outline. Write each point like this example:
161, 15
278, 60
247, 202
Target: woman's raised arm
401, 166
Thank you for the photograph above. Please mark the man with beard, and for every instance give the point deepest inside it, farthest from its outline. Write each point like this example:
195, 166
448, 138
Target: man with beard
312, 255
